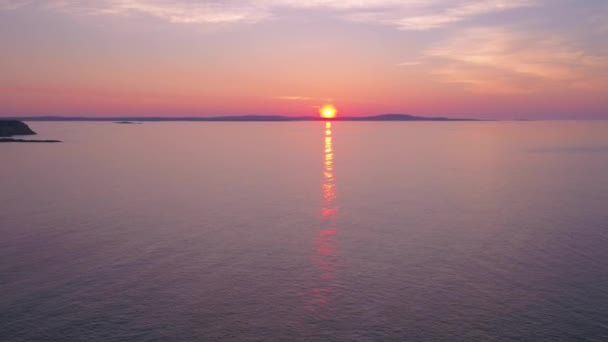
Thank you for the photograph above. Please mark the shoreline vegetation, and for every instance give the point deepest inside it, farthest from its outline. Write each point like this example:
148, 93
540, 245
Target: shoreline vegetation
247, 118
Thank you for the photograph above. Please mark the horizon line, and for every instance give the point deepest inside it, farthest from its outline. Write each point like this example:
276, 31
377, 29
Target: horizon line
276, 118
245, 117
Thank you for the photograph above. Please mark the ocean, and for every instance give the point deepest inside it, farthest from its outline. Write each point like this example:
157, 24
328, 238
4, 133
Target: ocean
306, 231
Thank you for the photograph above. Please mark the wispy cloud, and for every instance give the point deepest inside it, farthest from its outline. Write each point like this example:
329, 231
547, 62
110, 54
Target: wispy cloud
189, 11
432, 14
404, 14
293, 98
179, 11
12, 4
498, 59
460, 12
409, 63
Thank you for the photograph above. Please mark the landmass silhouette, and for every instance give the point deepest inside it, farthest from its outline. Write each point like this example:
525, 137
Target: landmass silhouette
14, 126
9, 128
381, 117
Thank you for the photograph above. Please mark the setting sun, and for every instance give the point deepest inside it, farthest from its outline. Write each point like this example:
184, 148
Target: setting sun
328, 112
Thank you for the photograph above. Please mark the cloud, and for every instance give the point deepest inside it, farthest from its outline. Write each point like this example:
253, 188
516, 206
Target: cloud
498, 59
409, 63
432, 14
188, 12
293, 98
460, 13
179, 11
182, 12
403, 14
7, 5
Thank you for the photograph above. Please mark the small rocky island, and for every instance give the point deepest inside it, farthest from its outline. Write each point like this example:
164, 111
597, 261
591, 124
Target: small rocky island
9, 128
127, 123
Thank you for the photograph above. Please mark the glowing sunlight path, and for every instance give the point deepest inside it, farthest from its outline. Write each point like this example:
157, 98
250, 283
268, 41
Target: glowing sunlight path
324, 259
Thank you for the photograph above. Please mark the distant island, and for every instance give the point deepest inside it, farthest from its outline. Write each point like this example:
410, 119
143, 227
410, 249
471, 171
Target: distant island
126, 120
9, 128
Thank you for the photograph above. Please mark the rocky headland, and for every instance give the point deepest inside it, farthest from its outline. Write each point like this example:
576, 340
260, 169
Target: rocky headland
8, 128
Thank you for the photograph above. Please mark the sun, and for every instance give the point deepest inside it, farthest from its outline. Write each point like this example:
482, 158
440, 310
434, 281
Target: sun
328, 111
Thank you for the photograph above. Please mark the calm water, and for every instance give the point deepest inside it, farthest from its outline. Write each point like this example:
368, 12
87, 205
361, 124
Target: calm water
478, 231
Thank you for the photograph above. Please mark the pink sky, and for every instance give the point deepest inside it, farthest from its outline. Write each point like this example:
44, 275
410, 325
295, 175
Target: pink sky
458, 58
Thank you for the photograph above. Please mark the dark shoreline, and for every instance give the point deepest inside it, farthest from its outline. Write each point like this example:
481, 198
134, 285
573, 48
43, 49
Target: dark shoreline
11, 140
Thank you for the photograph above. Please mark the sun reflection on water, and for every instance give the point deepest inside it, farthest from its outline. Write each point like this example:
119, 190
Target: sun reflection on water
324, 259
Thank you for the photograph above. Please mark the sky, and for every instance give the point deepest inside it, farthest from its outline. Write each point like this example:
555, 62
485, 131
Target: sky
496, 59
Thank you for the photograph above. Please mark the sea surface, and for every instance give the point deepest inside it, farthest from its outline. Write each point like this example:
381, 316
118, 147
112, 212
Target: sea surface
306, 231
